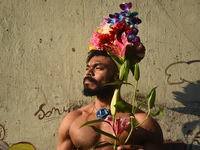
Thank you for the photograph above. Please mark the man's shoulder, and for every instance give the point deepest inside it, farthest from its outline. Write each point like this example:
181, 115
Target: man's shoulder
149, 122
73, 115
150, 128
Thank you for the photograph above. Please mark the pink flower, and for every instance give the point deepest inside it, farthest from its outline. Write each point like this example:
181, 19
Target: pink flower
120, 47
95, 40
119, 124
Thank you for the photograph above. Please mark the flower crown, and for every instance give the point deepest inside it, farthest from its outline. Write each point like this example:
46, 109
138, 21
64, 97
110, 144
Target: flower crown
118, 33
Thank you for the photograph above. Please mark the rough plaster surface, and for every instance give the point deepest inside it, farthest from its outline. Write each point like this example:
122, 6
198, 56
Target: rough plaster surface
44, 44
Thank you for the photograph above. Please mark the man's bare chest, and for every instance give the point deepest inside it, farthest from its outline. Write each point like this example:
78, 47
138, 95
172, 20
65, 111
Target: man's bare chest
86, 137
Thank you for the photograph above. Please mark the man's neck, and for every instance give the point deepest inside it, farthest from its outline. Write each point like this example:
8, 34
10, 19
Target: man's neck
104, 101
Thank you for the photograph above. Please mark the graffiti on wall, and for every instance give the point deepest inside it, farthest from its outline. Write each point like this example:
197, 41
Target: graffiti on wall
180, 79
22, 146
16, 146
54, 112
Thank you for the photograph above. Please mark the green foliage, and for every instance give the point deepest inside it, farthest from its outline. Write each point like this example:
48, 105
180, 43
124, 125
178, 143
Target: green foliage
122, 71
123, 107
118, 83
160, 112
114, 57
101, 143
152, 98
104, 133
91, 122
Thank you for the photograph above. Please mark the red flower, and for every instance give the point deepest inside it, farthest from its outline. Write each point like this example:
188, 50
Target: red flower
105, 40
118, 29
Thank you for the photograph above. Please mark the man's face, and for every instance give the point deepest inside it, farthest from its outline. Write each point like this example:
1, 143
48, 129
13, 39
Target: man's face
99, 71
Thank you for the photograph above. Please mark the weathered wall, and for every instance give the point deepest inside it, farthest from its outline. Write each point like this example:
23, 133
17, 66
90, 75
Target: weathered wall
44, 44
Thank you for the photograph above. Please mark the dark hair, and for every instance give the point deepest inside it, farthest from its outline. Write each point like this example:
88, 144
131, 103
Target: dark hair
93, 53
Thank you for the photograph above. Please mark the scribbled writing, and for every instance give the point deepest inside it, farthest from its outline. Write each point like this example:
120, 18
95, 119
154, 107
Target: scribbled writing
41, 113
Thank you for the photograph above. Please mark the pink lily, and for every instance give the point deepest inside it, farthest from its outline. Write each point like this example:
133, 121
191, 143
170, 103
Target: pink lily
119, 124
120, 48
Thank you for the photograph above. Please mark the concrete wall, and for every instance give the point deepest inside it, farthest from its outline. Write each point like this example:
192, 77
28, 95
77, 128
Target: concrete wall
43, 47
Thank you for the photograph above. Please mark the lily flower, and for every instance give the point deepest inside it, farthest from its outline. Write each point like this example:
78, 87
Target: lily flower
120, 47
119, 124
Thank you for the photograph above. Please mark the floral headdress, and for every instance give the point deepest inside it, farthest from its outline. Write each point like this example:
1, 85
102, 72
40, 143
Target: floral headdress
118, 35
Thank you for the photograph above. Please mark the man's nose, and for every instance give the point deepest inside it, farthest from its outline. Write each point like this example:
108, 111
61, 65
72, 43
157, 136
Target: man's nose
89, 72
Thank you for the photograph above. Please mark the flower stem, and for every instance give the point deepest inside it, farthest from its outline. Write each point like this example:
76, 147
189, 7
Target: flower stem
144, 119
132, 122
135, 89
114, 146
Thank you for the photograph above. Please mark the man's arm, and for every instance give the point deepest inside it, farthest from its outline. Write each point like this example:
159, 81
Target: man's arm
64, 140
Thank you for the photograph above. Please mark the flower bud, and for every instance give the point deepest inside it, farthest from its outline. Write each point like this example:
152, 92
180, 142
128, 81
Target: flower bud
152, 98
115, 99
137, 72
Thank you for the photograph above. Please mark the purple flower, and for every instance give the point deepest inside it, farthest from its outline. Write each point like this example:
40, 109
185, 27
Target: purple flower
126, 7
115, 18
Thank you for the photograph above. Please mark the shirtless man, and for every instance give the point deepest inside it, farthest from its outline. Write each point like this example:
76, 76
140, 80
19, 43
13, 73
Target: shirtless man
102, 69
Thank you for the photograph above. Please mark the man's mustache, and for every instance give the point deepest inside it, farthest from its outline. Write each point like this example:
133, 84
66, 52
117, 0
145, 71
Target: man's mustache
90, 79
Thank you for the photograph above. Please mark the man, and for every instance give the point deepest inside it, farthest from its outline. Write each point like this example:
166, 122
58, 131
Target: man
101, 69
115, 44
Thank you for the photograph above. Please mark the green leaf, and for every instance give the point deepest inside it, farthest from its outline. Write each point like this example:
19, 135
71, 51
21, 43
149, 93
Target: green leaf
145, 99
100, 143
152, 98
114, 57
130, 55
90, 122
122, 71
137, 72
134, 14
118, 83
104, 133
160, 112
127, 65
123, 107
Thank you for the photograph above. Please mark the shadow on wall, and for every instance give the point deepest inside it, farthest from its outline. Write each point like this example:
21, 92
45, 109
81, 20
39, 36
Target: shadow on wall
191, 101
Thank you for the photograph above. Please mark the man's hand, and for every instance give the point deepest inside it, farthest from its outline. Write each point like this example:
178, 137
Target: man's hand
130, 147
139, 52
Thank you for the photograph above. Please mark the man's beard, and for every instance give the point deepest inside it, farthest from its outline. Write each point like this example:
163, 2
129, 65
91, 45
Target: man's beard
101, 91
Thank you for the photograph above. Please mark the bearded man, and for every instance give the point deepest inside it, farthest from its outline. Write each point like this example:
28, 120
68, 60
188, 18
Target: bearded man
118, 39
